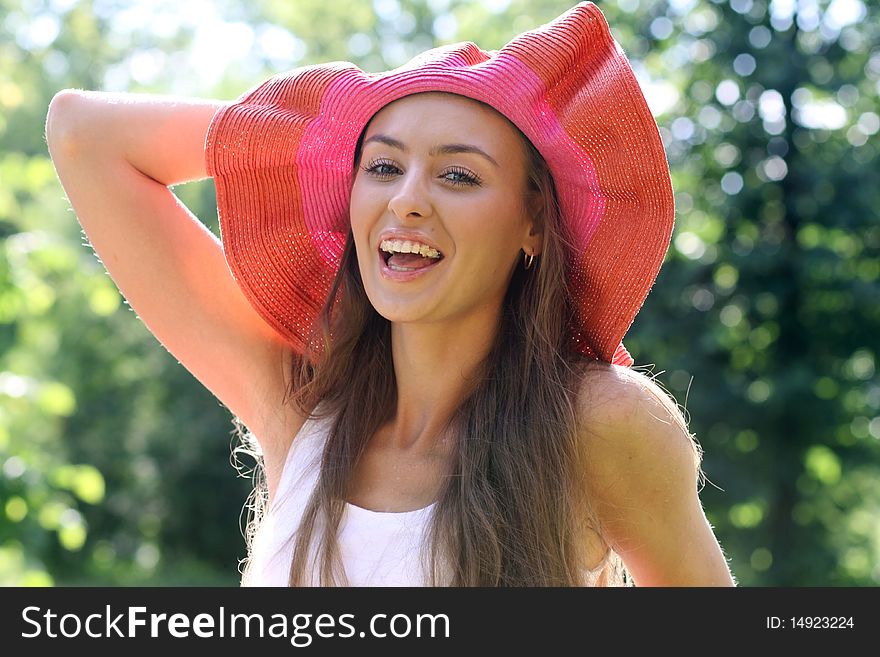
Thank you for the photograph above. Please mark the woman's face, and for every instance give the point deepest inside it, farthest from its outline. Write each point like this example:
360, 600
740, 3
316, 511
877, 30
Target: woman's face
447, 175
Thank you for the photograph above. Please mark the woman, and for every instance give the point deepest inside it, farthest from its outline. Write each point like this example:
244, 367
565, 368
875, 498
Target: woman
443, 259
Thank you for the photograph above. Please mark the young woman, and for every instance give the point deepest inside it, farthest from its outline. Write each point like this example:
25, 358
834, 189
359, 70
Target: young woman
416, 308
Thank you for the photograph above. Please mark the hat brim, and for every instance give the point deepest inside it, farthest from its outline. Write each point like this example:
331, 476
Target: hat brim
282, 159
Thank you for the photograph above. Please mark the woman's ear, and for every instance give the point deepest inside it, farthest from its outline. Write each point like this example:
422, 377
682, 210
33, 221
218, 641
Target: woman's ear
535, 244
535, 240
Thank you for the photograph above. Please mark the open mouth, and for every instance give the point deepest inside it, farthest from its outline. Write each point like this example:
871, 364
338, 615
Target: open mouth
406, 255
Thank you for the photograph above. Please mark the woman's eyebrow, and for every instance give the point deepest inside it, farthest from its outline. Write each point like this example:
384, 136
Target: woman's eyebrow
444, 149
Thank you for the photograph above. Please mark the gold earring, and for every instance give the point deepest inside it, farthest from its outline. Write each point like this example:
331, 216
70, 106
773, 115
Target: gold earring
528, 260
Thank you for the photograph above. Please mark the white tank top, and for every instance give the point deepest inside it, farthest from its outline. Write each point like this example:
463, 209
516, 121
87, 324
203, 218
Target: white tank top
377, 549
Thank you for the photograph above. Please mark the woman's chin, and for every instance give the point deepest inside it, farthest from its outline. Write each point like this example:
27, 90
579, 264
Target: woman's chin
396, 304
398, 313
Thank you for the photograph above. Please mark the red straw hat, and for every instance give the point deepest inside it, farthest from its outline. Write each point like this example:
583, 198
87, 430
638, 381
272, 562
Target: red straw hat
282, 158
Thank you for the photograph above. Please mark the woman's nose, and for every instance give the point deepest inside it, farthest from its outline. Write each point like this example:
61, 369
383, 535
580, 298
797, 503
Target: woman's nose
410, 198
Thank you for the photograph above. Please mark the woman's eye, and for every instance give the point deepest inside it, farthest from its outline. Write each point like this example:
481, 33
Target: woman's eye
462, 177
380, 168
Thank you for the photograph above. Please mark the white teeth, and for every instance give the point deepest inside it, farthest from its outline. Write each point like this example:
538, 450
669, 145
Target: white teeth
406, 246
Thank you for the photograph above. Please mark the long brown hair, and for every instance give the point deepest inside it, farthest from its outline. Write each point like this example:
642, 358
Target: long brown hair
511, 511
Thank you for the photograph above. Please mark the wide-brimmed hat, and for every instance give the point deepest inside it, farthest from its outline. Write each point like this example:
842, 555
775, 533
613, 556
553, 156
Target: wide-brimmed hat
282, 158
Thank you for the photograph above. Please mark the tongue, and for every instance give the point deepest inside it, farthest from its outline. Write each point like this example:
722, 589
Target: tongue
410, 260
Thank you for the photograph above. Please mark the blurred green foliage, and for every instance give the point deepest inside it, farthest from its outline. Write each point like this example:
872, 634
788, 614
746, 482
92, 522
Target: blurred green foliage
115, 463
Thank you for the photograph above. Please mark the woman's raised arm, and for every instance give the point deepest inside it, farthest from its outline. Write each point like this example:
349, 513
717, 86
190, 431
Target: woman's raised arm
116, 155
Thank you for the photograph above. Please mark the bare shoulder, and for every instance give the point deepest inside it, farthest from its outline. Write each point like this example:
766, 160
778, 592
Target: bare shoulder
640, 471
627, 411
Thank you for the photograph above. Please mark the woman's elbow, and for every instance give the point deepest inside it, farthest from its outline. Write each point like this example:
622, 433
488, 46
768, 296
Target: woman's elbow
63, 122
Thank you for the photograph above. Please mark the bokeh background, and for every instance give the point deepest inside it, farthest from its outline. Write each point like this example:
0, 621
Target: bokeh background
116, 466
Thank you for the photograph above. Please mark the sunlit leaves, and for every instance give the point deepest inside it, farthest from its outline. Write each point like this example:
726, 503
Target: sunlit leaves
56, 399
821, 462
772, 138
83, 480
761, 559
81, 379
747, 515
17, 570
16, 508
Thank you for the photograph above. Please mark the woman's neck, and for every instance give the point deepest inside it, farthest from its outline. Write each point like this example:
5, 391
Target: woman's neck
436, 366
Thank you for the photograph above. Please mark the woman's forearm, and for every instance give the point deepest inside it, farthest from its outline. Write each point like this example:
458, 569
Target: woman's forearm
162, 137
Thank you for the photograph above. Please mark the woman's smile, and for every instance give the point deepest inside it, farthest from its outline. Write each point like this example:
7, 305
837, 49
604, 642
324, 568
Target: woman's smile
405, 256
405, 267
